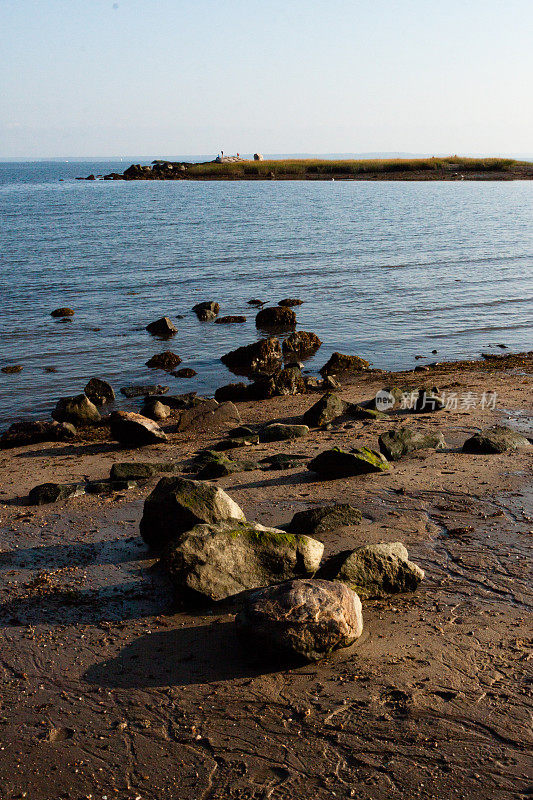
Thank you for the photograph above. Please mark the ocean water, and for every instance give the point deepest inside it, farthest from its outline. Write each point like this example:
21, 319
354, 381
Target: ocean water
387, 270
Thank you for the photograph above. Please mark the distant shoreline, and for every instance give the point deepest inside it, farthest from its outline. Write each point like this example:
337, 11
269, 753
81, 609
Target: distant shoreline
421, 169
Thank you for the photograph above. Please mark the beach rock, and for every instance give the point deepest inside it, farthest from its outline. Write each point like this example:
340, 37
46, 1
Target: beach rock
331, 384
233, 391
143, 391
99, 392
325, 410
397, 443
62, 312
300, 344
206, 311
280, 461
276, 318
385, 399
138, 470
155, 409
134, 430
302, 619
428, 401
322, 519
289, 302
36, 431
286, 382
219, 560
208, 416
377, 570
338, 463
497, 439
357, 411
52, 492
259, 357
167, 361
342, 363
185, 372
278, 432
77, 410
179, 401
177, 504
236, 441
211, 465
162, 327
230, 319
12, 369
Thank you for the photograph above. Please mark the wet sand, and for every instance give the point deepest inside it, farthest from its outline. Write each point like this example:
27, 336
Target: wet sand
111, 689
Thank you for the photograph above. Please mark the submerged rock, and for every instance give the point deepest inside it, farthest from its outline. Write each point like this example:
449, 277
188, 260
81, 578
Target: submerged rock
301, 344
278, 432
185, 372
339, 362
177, 504
208, 310
338, 463
62, 312
263, 356
163, 327
400, 442
230, 319
377, 570
276, 318
99, 392
325, 410
36, 431
134, 430
167, 361
12, 369
301, 618
497, 439
143, 391
320, 520
220, 560
77, 410
289, 302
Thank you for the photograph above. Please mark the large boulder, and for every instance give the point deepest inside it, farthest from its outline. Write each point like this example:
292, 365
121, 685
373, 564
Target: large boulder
325, 410
259, 357
339, 362
99, 392
497, 439
36, 431
300, 344
134, 430
167, 361
321, 520
177, 504
162, 327
338, 463
400, 442
301, 619
279, 432
277, 318
377, 570
77, 410
288, 381
208, 310
223, 559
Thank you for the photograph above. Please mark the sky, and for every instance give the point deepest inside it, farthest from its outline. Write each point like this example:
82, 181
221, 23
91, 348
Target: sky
163, 78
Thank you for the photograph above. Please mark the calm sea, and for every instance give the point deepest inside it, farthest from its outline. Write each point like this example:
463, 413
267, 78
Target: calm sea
388, 271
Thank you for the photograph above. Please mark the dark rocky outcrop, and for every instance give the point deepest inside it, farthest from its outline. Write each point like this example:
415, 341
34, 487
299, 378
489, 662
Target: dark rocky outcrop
325, 410
276, 318
185, 372
255, 302
497, 439
230, 319
302, 619
62, 312
134, 430
99, 392
222, 559
155, 409
167, 361
233, 391
300, 344
377, 570
338, 463
288, 381
322, 519
280, 461
339, 363
206, 311
36, 431
162, 327
400, 442
177, 504
77, 410
143, 391
262, 357
12, 369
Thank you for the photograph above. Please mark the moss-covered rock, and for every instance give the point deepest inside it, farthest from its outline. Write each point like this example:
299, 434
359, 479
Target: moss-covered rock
339, 362
278, 432
400, 442
77, 410
338, 463
497, 439
360, 412
210, 465
325, 410
377, 570
321, 520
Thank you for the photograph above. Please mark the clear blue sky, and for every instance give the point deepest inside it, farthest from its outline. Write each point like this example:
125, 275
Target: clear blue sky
169, 77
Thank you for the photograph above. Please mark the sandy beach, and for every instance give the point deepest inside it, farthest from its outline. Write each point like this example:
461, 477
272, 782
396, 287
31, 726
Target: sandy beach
112, 686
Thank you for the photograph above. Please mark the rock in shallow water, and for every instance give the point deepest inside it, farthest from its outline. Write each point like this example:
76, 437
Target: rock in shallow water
301, 344
343, 363
77, 410
177, 504
497, 439
301, 619
99, 392
223, 559
263, 356
276, 318
163, 327
166, 361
